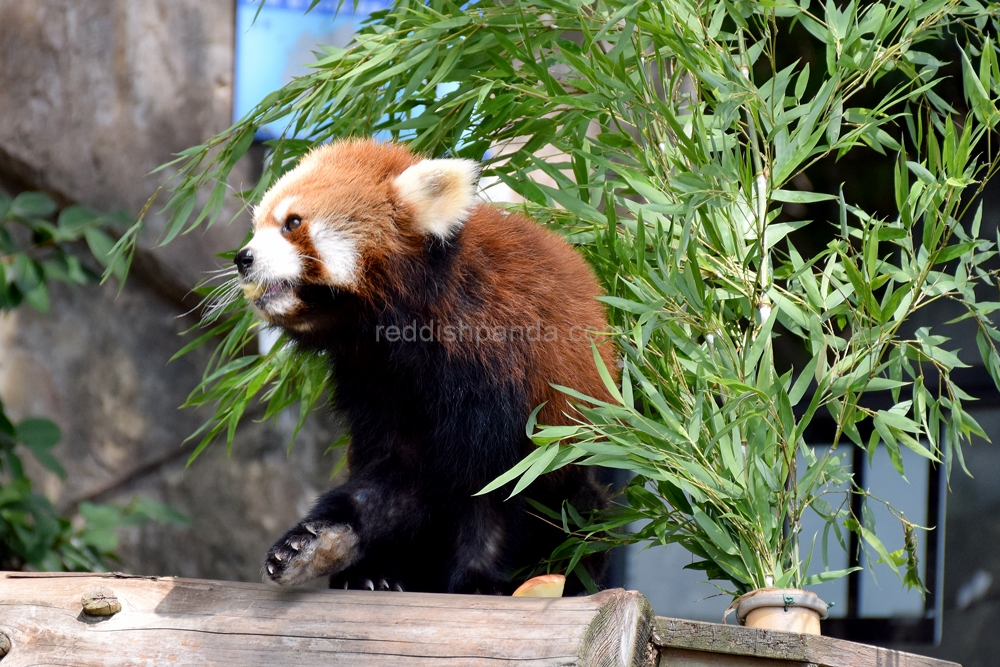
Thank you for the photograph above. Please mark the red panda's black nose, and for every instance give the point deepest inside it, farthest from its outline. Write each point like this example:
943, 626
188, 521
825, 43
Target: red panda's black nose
244, 260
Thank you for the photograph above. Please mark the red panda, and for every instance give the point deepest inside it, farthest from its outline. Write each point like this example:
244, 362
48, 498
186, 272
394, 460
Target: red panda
446, 321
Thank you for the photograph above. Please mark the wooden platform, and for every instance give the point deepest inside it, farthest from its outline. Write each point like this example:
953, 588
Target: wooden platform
169, 621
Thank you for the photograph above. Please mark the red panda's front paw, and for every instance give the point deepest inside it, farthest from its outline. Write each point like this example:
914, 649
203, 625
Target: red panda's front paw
309, 550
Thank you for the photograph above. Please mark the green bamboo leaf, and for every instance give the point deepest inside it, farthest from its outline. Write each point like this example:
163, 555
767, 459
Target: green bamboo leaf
517, 470
882, 384
775, 232
801, 82
982, 105
800, 197
898, 421
760, 342
954, 251
718, 536
535, 469
829, 575
573, 204
921, 172
767, 475
875, 543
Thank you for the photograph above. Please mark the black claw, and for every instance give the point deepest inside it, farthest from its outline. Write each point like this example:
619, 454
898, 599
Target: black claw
383, 585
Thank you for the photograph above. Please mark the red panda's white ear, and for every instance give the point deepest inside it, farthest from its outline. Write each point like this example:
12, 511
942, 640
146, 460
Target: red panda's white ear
441, 193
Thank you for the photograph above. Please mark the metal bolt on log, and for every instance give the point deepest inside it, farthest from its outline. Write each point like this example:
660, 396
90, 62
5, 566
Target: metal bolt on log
100, 602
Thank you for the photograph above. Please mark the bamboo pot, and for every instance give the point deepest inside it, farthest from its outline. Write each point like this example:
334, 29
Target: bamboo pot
784, 609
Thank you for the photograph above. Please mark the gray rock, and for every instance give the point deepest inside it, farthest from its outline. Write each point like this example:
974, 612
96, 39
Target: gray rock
94, 96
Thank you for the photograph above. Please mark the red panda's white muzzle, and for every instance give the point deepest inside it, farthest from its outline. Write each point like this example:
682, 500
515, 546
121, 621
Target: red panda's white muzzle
269, 267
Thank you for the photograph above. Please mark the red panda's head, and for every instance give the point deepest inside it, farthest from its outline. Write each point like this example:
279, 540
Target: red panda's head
339, 214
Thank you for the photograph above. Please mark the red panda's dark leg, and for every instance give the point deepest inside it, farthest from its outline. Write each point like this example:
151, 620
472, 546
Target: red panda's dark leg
486, 546
360, 516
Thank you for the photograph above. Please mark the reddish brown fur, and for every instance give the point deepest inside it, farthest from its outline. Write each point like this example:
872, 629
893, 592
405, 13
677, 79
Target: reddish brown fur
533, 274
543, 281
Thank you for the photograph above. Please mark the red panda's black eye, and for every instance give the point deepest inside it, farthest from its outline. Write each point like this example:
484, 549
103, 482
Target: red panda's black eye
292, 223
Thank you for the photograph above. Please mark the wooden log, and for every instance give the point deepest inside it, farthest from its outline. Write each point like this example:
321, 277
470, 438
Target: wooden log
62, 619
184, 621
766, 648
678, 657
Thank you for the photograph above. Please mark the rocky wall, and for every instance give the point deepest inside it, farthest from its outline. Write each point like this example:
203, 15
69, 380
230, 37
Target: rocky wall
93, 96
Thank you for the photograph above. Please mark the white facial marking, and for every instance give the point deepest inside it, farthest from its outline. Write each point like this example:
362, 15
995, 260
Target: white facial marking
281, 210
282, 304
274, 258
337, 252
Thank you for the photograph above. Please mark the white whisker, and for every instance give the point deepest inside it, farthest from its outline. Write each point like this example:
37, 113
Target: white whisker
224, 276
220, 298
228, 269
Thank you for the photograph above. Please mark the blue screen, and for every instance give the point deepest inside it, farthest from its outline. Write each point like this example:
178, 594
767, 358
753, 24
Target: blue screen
281, 42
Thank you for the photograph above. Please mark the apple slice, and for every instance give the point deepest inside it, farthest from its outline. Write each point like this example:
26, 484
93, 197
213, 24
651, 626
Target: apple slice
542, 586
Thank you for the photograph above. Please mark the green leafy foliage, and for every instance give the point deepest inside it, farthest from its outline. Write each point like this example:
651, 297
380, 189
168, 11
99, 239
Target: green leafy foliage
35, 240
667, 140
35, 247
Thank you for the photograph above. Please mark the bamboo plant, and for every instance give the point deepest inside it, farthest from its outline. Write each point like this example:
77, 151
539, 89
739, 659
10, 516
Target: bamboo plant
671, 141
